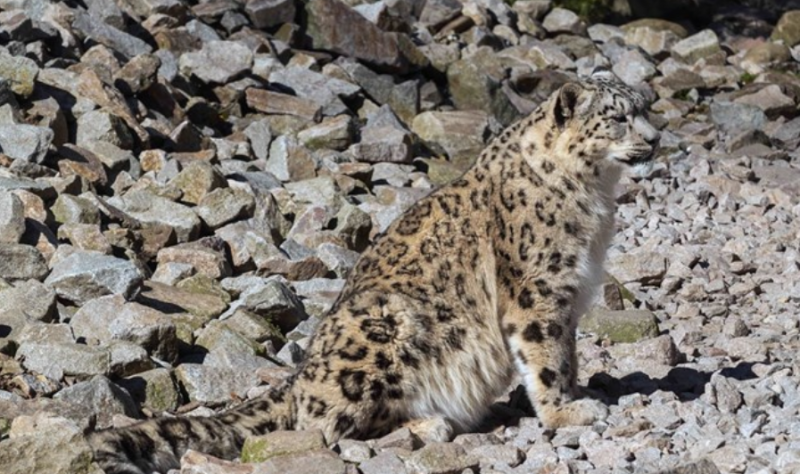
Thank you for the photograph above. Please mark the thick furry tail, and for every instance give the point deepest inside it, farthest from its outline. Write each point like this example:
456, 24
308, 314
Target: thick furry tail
157, 445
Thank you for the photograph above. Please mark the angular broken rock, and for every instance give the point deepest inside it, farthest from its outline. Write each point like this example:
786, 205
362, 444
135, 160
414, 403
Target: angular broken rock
442, 458
86, 275
392, 52
19, 71
100, 397
54, 448
224, 205
647, 267
281, 443
12, 218
620, 326
111, 318
269, 13
103, 33
218, 62
383, 145
21, 262
270, 102
25, 142
59, 359
206, 256
698, 46
150, 208
461, 135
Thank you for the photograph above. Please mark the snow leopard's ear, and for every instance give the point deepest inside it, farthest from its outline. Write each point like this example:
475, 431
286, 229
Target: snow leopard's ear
566, 102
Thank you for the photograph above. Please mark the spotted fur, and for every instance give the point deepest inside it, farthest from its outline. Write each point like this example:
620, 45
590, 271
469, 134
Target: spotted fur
483, 276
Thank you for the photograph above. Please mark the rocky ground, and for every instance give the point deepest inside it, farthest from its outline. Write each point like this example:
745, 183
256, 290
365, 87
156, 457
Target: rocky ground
184, 188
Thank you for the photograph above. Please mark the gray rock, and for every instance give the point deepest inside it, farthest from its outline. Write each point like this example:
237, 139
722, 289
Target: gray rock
21, 262
12, 218
154, 389
788, 135
109, 13
59, 359
219, 336
127, 358
535, 9
363, 40
111, 318
771, 100
170, 299
276, 302
39, 188
383, 145
206, 256
19, 72
659, 350
655, 37
260, 137
323, 90
703, 466
197, 180
281, 443
321, 461
275, 103
102, 126
560, 20
354, 451
620, 326
100, 397
85, 275
353, 226
334, 134
39, 332
633, 68
497, 456
138, 74
75, 210
788, 28
339, 260
647, 267
461, 135
698, 46
150, 208
114, 158
32, 298
170, 273
321, 191
731, 117
475, 83
602, 33
291, 354
254, 326
289, 160
34, 451
217, 62
28, 143
439, 12
724, 394
383, 463
542, 54
269, 13
442, 458
105, 34
224, 205
207, 384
